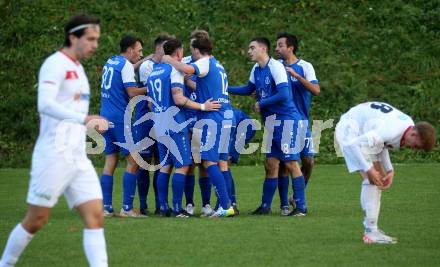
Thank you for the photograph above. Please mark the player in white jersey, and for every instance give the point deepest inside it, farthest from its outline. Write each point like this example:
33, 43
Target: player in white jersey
365, 134
59, 162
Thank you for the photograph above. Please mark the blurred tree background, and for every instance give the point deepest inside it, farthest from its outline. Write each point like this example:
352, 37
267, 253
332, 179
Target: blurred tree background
361, 50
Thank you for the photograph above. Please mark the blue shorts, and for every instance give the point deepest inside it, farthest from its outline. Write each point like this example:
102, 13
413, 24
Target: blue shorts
140, 132
308, 150
234, 155
219, 143
285, 150
115, 134
173, 147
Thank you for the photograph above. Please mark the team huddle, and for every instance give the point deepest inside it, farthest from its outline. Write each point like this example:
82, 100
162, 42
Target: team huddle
183, 95
183, 119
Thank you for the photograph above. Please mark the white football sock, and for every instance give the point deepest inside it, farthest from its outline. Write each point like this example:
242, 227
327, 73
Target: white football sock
94, 247
370, 201
17, 242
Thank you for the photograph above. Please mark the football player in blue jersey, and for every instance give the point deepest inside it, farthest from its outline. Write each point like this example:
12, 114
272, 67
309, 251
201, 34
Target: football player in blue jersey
190, 91
117, 87
268, 79
165, 87
304, 85
150, 154
212, 83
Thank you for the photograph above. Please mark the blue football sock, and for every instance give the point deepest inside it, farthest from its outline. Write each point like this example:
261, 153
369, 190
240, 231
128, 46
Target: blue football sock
107, 190
228, 182
218, 181
283, 190
129, 189
143, 183
298, 186
189, 189
233, 195
162, 188
177, 185
156, 192
205, 190
269, 188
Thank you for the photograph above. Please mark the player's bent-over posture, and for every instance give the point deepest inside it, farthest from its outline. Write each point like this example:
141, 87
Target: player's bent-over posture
59, 161
365, 134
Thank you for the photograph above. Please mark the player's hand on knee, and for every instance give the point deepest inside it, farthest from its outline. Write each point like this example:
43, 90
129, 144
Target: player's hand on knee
387, 180
97, 122
212, 105
374, 177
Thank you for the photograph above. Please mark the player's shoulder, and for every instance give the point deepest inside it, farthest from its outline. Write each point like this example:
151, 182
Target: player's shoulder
187, 59
305, 64
274, 64
58, 61
147, 64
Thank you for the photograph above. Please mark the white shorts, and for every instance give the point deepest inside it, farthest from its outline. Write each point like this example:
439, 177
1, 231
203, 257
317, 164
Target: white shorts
346, 132
52, 176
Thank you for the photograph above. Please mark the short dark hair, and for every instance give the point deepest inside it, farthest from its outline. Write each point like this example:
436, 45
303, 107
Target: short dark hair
262, 40
291, 40
74, 22
128, 41
171, 46
162, 38
204, 45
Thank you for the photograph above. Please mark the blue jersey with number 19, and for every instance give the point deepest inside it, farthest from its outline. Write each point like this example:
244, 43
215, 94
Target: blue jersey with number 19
212, 82
160, 82
117, 76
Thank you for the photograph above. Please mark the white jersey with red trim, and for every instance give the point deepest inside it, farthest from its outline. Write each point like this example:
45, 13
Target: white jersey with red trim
381, 124
63, 104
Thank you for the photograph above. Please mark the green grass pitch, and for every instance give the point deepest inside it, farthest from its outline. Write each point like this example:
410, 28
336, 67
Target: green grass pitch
329, 236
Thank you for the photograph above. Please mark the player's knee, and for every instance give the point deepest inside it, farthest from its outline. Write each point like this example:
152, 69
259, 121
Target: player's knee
132, 166
293, 168
94, 220
307, 163
271, 169
35, 223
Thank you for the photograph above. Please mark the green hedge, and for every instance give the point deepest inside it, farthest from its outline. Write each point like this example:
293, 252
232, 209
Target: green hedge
361, 50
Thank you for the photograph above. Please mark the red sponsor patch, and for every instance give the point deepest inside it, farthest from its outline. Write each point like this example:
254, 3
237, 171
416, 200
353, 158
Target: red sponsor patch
71, 75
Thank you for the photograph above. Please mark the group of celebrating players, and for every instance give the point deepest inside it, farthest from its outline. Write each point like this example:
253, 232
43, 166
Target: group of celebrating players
181, 99
197, 86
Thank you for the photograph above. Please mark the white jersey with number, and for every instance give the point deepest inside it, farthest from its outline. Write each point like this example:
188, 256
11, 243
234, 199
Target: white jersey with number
381, 123
63, 104
367, 131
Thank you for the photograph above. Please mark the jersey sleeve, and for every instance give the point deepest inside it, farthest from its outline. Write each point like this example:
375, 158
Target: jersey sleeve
201, 66
279, 74
309, 73
252, 76
50, 78
127, 74
144, 71
176, 79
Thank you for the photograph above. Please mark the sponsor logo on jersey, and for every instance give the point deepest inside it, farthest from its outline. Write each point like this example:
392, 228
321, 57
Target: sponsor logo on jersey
71, 75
